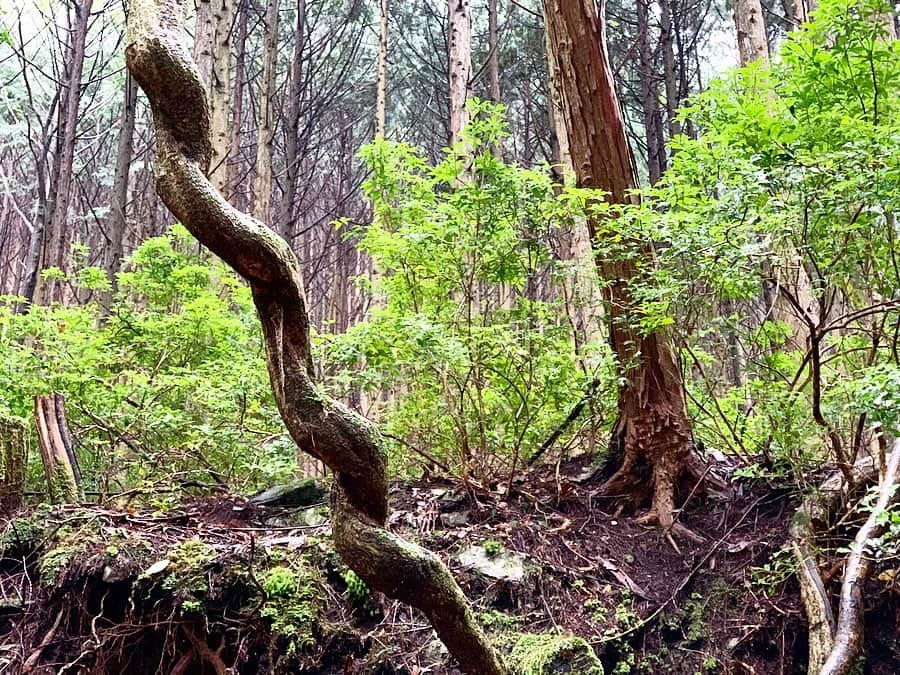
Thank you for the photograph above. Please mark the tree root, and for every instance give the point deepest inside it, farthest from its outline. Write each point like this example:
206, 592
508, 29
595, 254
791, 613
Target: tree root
668, 469
848, 635
814, 511
32, 661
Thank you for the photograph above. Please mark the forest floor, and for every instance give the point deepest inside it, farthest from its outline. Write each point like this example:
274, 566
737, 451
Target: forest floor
221, 586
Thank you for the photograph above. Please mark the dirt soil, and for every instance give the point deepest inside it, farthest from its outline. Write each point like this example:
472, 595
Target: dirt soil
219, 586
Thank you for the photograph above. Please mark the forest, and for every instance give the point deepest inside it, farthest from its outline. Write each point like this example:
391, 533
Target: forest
509, 337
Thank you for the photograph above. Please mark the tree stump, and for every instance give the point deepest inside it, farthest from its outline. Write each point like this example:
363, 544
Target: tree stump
13, 455
57, 454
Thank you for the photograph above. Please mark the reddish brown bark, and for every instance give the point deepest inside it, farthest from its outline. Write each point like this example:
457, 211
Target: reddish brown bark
653, 428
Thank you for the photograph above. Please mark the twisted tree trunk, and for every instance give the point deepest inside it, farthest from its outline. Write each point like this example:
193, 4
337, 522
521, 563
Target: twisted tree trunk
346, 442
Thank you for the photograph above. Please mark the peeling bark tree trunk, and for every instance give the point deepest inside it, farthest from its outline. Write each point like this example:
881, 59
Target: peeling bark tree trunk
325, 429
57, 454
13, 454
653, 427
460, 65
262, 187
584, 288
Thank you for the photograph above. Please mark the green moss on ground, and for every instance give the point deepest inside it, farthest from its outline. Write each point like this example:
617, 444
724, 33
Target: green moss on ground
548, 654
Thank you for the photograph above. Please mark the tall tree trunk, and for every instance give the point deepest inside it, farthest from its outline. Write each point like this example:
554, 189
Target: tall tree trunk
56, 235
284, 221
667, 44
204, 40
381, 77
234, 151
28, 287
117, 223
751, 31
460, 64
262, 184
649, 96
349, 444
802, 11
585, 288
220, 87
493, 64
653, 427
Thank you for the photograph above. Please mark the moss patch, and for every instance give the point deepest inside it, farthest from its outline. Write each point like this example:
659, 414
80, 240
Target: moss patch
294, 603
547, 654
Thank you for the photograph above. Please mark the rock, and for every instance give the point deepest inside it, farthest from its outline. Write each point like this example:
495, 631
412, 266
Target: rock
455, 519
435, 651
548, 654
313, 517
304, 492
502, 565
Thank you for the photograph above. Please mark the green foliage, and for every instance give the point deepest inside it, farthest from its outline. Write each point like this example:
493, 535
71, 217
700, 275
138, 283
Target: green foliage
777, 226
773, 573
479, 367
493, 547
186, 575
358, 593
165, 385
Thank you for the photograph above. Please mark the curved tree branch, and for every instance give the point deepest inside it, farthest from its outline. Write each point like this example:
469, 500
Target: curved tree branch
848, 636
157, 55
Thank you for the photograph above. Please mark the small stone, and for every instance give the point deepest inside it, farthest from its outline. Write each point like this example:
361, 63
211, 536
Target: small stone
504, 565
156, 568
455, 518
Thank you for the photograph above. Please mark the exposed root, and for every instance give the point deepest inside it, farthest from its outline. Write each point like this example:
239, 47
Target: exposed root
814, 513
651, 518
848, 636
32, 661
